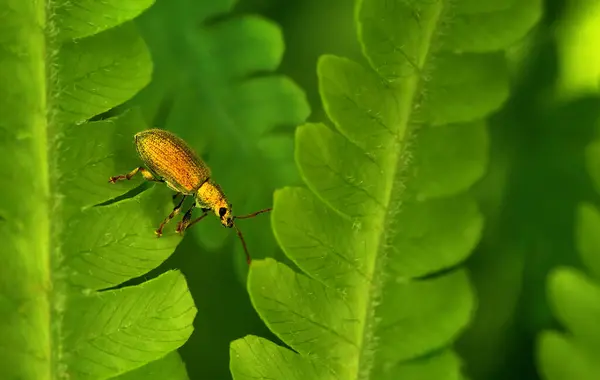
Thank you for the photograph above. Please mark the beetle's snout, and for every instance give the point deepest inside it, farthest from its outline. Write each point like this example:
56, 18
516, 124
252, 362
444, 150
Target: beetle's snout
226, 216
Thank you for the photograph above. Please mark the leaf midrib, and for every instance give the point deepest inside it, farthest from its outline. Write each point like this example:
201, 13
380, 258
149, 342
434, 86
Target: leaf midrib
407, 92
56, 291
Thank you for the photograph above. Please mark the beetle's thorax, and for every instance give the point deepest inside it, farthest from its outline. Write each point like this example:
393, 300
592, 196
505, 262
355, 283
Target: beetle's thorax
211, 195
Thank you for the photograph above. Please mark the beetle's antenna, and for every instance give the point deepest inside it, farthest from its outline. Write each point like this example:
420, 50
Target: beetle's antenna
239, 234
253, 214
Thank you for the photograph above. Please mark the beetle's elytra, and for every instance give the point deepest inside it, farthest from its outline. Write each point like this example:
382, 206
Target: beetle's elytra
171, 160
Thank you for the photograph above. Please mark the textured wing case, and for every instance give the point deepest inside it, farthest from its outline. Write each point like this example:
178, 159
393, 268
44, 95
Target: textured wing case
172, 159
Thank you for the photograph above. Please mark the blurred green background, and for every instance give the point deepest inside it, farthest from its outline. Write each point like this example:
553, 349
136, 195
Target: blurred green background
536, 177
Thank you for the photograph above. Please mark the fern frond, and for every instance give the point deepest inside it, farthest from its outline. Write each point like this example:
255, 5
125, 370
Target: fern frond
385, 221
61, 64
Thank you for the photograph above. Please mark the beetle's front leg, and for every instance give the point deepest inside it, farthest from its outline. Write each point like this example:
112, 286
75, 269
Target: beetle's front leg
175, 211
145, 173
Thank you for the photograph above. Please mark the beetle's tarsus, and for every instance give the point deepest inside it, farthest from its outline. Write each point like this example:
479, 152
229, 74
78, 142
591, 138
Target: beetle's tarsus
145, 173
116, 178
171, 215
178, 229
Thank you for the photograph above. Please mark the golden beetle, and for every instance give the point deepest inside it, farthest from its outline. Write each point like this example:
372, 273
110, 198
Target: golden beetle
170, 159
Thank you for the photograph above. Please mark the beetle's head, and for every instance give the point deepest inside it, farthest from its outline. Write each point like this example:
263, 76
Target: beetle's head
225, 214
211, 196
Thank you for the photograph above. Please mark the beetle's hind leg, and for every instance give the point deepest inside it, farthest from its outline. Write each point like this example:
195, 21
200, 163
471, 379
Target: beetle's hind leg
173, 213
144, 172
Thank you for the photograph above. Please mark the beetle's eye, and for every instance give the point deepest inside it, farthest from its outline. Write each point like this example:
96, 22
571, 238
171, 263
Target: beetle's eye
222, 211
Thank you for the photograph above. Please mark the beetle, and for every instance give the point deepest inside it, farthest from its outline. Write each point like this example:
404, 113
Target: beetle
170, 160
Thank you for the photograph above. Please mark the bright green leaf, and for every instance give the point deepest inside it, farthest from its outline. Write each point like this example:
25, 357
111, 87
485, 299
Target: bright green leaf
354, 185
450, 159
441, 232
443, 365
113, 331
100, 72
64, 242
248, 363
470, 85
386, 217
481, 26
170, 367
575, 300
111, 244
410, 332
89, 17
562, 357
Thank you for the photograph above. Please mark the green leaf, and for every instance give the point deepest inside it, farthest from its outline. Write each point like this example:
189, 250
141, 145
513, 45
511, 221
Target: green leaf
575, 299
67, 242
587, 238
563, 358
106, 333
386, 218
99, 72
170, 367
88, 17
214, 79
250, 363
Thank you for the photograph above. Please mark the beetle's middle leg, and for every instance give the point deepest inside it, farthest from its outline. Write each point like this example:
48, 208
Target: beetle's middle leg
145, 173
185, 221
170, 216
